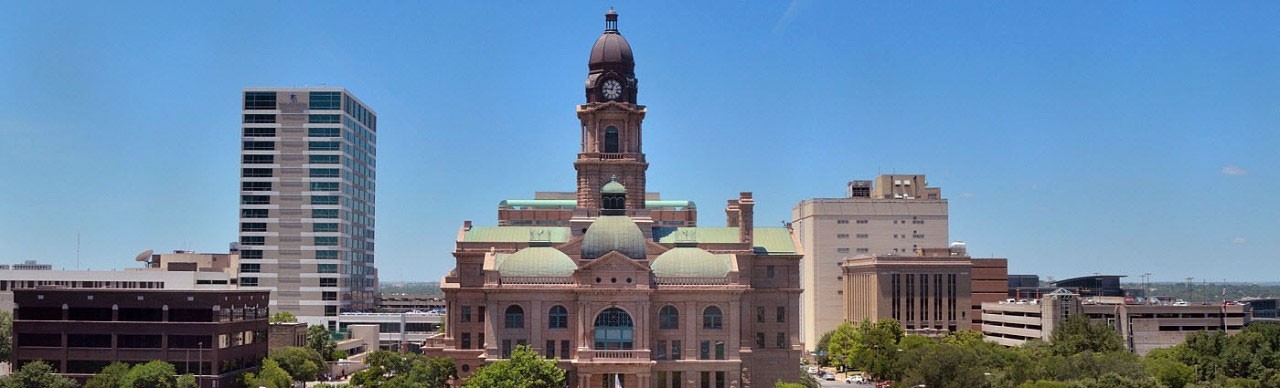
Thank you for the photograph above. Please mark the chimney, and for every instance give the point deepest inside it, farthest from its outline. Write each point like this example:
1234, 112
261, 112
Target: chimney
746, 217
731, 214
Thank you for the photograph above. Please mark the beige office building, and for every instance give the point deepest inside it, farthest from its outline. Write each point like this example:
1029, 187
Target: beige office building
895, 214
307, 200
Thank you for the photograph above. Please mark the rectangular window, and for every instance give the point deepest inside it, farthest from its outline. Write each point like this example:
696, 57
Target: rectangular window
325, 100
676, 350
324, 119
863, 250
782, 340
255, 186
720, 379
324, 132
329, 295
323, 146
324, 173
253, 240
842, 235
782, 314
259, 145
564, 349
255, 199
330, 311
324, 186
466, 340
258, 159
506, 348
325, 255
704, 350
759, 340
254, 213
250, 254
323, 159
719, 350
660, 353
259, 119
249, 282
768, 271
706, 380
550, 351
328, 282
259, 100
250, 268
253, 227
326, 241
260, 132
759, 314
862, 222
842, 222
842, 250
324, 227
324, 213
465, 317
327, 268
862, 235
256, 172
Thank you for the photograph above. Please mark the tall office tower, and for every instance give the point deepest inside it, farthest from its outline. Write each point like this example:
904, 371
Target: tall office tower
895, 215
307, 200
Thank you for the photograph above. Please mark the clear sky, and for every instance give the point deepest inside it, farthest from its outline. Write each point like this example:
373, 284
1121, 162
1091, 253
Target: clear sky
1072, 138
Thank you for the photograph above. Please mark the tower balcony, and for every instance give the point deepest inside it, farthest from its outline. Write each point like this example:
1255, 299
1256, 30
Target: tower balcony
623, 156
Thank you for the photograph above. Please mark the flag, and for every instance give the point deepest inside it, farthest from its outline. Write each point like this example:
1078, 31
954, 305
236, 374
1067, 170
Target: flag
617, 381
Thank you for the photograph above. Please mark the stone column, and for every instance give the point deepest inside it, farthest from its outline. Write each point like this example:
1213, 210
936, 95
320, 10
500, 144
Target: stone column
735, 323
535, 325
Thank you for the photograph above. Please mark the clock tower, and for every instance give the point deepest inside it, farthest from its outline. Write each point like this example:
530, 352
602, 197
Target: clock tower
611, 134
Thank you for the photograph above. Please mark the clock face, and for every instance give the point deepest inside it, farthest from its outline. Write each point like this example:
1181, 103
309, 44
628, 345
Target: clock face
611, 89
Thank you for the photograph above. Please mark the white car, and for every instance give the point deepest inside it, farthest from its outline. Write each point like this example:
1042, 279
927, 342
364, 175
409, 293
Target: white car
813, 370
853, 379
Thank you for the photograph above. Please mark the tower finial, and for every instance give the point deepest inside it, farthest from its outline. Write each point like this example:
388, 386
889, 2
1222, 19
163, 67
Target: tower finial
611, 20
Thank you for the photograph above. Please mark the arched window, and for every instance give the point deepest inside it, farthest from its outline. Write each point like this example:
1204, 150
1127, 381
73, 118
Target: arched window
614, 330
514, 317
668, 318
558, 318
611, 140
712, 318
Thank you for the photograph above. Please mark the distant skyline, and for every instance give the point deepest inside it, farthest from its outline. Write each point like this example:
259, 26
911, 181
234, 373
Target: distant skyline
1119, 138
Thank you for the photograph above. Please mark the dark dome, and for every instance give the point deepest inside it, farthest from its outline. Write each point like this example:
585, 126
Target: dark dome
611, 51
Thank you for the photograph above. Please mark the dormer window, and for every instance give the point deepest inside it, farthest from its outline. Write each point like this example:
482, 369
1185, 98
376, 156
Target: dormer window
611, 140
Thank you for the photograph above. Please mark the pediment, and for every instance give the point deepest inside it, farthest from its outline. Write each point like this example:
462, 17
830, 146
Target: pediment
614, 261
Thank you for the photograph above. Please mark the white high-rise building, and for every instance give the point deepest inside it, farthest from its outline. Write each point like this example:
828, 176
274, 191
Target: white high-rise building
307, 200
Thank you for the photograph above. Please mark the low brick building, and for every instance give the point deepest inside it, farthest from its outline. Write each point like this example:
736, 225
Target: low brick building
214, 334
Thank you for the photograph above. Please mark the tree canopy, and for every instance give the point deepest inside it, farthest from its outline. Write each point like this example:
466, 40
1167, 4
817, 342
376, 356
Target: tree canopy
282, 317
394, 370
525, 369
304, 364
269, 376
36, 374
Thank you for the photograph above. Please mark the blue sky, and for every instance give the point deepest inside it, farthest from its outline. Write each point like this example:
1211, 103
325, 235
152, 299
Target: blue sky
1114, 137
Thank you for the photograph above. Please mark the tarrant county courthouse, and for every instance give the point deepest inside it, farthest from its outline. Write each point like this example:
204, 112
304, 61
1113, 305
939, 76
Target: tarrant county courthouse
618, 284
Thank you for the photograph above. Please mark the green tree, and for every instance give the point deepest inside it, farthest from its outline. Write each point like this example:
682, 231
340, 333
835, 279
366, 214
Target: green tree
319, 339
1168, 372
304, 364
269, 376
944, 365
525, 369
6, 336
186, 381
394, 370
282, 317
1078, 334
842, 345
36, 374
110, 377
154, 374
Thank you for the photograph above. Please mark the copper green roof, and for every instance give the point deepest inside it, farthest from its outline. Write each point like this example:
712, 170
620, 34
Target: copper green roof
690, 262
613, 187
521, 234
572, 203
535, 261
768, 241
613, 233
